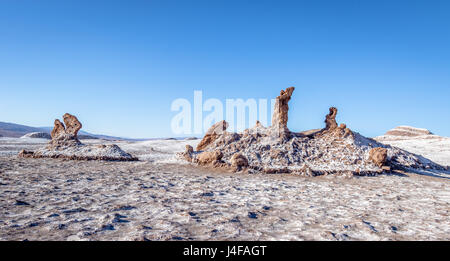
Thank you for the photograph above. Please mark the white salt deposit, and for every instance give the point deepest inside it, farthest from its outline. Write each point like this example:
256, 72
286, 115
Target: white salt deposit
433, 147
53, 199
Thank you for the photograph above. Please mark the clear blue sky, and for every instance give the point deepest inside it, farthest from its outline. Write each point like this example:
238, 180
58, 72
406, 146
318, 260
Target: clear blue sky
118, 65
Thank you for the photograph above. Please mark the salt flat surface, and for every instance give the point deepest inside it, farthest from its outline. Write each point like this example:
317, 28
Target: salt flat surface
163, 198
12, 146
158, 151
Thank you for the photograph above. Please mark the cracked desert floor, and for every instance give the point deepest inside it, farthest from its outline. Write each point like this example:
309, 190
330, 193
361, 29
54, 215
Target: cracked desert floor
162, 198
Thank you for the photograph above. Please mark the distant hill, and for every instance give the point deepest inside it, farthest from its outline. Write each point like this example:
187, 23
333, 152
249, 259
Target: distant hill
419, 141
16, 131
407, 131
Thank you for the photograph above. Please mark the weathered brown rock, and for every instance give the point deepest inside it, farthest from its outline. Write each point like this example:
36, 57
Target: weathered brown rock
378, 156
64, 136
239, 161
330, 119
189, 149
58, 129
209, 157
26, 154
280, 114
212, 134
332, 130
72, 124
69, 131
65, 145
187, 154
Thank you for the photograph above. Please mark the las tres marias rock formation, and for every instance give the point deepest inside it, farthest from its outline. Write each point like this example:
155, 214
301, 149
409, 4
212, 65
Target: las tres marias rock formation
65, 144
275, 149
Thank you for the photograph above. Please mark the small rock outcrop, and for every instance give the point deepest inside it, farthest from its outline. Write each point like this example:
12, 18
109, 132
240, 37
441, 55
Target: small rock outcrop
188, 153
209, 157
378, 156
239, 161
65, 144
332, 128
275, 149
212, 134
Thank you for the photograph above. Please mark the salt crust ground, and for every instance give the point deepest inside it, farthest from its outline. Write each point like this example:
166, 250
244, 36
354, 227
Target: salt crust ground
163, 198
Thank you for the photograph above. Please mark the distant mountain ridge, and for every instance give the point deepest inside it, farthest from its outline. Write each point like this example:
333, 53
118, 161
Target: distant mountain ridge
16, 130
13, 130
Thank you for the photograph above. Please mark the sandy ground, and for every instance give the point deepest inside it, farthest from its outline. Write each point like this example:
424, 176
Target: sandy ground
162, 198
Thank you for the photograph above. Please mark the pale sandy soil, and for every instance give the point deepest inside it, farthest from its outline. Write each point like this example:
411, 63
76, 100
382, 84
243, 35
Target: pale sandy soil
162, 198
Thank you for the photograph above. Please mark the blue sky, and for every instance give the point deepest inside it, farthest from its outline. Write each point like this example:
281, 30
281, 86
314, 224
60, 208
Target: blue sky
118, 65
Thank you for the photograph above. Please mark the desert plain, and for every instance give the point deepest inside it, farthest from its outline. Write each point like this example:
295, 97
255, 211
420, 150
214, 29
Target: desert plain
162, 197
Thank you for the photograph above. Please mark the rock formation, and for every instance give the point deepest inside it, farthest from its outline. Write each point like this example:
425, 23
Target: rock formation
212, 134
280, 114
330, 119
239, 161
378, 156
58, 129
209, 157
63, 136
188, 153
275, 149
66, 145
72, 124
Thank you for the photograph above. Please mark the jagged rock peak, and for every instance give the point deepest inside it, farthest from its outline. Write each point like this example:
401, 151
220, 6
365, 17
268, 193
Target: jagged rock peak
71, 128
330, 119
280, 114
73, 125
